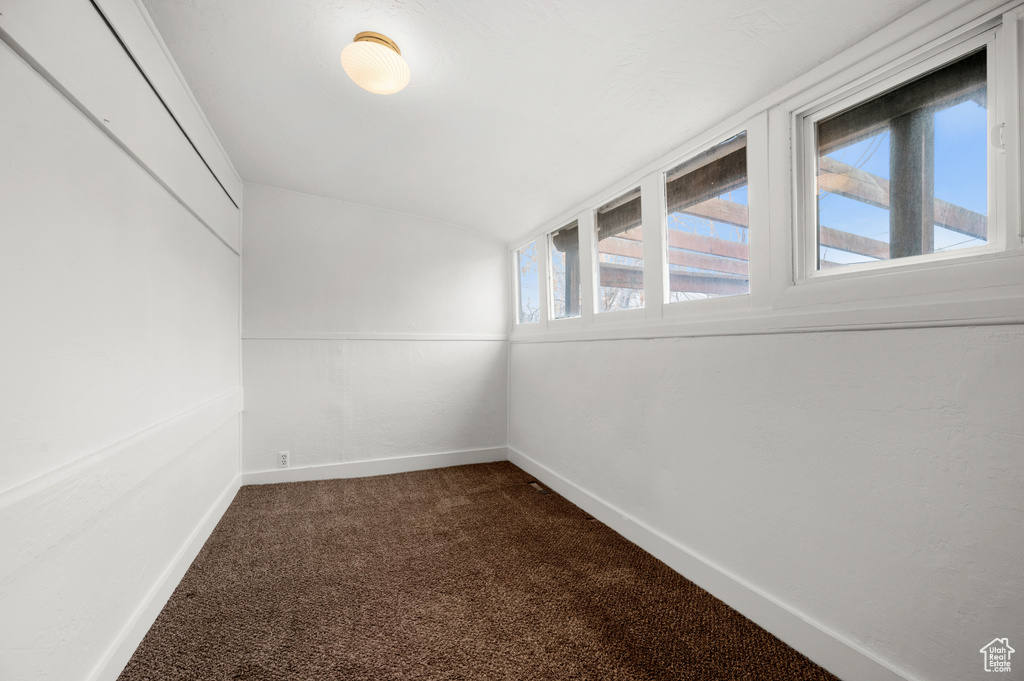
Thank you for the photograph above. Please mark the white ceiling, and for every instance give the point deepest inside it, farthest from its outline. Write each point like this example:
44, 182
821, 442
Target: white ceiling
517, 111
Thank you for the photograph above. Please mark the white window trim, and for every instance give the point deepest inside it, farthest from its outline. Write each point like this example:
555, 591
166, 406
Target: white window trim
543, 285
968, 289
805, 151
1013, 139
976, 274
629, 314
516, 289
756, 129
514, 298
564, 322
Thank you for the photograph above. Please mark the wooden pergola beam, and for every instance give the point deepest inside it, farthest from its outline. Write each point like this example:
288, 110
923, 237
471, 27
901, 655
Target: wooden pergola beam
710, 252
836, 177
843, 179
710, 284
708, 245
709, 262
624, 276
702, 261
686, 241
853, 243
720, 210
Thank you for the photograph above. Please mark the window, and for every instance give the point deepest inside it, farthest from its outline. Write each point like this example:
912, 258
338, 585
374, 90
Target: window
620, 254
526, 275
906, 173
706, 203
565, 272
885, 189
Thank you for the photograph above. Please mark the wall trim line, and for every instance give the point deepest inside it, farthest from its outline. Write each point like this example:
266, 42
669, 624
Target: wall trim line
113, 662
370, 336
152, 87
764, 325
371, 467
155, 34
843, 657
230, 401
43, 73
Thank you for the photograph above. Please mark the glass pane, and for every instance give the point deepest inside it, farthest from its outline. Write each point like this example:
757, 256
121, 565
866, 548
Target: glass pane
620, 254
961, 174
565, 272
854, 230
707, 224
905, 173
529, 293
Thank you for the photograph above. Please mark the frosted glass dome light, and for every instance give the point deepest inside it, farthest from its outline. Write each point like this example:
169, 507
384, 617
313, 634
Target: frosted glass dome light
375, 63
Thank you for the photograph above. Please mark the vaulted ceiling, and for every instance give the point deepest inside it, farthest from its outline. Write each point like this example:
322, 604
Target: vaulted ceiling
516, 111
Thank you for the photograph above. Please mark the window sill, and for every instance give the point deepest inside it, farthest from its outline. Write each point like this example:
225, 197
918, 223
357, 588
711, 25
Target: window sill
997, 306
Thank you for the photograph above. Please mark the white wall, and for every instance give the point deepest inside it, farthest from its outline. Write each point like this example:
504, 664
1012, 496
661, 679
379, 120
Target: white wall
870, 481
851, 483
368, 334
119, 414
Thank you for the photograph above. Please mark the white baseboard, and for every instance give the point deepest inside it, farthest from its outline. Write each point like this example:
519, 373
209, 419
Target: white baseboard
362, 469
117, 656
842, 657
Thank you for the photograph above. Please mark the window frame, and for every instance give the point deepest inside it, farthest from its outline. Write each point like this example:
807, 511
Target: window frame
629, 313
718, 301
964, 288
561, 321
517, 287
887, 79
759, 204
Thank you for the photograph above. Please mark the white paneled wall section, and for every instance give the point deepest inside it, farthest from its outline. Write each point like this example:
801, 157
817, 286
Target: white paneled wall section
119, 261
370, 336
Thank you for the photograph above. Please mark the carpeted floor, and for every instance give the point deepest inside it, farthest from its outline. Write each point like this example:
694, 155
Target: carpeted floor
457, 573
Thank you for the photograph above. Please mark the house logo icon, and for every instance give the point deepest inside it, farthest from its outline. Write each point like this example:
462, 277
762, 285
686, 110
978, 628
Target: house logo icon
997, 655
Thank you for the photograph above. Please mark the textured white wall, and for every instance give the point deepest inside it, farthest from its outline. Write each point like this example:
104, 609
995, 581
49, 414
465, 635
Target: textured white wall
368, 334
871, 481
120, 374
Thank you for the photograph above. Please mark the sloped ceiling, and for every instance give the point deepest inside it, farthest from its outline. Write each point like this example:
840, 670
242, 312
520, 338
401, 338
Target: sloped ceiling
517, 110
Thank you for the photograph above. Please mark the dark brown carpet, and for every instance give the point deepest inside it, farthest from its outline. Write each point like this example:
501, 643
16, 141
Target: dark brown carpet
456, 573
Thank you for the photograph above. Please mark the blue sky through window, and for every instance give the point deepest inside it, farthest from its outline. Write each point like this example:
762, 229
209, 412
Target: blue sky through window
529, 290
961, 178
707, 227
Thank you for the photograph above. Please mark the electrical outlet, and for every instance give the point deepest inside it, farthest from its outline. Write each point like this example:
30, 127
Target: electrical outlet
284, 459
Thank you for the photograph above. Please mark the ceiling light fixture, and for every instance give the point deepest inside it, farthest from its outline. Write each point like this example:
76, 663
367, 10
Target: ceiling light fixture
375, 63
